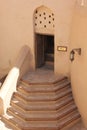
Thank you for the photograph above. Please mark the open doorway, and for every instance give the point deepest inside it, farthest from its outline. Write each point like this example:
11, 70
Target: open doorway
44, 50
44, 28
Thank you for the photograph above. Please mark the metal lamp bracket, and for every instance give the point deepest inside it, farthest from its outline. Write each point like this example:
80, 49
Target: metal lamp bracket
78, 50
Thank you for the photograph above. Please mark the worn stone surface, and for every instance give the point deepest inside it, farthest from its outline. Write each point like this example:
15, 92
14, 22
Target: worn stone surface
3, 126
78, 126
41, 75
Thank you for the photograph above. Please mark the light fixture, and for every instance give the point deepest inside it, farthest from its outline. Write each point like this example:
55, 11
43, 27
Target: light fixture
81, 2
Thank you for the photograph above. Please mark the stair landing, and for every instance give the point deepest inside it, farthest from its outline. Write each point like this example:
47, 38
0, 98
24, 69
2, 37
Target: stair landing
41, 75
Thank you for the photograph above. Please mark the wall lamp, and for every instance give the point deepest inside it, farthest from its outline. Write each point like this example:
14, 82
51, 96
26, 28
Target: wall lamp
81, 2
73, 51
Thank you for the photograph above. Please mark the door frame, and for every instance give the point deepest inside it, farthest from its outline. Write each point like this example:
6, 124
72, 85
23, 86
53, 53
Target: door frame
35, 45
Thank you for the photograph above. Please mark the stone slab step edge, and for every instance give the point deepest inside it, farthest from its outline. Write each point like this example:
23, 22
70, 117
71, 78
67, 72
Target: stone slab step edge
42, 115
46, 89
53, 104
72, 118
44, 83
44, 96
61, 81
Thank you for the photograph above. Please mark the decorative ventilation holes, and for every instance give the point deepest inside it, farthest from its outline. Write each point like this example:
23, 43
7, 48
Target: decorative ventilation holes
44, 19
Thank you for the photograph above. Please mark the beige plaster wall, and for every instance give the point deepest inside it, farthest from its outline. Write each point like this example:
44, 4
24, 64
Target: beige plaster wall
79, 65
62, 37
16, 30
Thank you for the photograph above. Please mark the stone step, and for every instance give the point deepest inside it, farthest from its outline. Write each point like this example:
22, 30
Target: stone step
23, 105
50, 96
48, 81
42, 125
58, 81
23, 87
42, 115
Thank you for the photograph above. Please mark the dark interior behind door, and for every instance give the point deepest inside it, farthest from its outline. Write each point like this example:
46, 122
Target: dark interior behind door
44, 49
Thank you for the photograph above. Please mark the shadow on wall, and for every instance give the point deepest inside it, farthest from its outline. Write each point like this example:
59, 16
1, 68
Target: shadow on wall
2, 80
24, 61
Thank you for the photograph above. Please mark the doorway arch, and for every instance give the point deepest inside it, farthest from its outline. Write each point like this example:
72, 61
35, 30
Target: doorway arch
44, 36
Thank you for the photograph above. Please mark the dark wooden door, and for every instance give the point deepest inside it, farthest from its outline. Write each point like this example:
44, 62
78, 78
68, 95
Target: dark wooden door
39, 50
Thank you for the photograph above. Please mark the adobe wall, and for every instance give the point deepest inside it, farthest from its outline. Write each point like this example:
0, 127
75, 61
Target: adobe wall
16, 30
79, 65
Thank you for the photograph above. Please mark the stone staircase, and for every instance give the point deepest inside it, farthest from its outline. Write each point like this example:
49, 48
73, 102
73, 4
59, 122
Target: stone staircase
42, 106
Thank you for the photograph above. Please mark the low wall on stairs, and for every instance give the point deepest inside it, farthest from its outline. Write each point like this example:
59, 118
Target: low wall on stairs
21, 66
